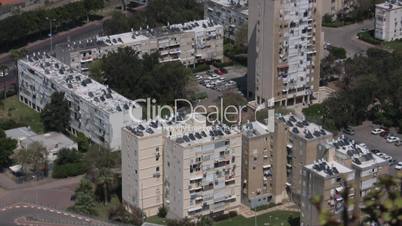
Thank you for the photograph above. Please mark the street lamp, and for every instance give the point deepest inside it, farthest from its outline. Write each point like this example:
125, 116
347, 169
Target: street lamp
50, 33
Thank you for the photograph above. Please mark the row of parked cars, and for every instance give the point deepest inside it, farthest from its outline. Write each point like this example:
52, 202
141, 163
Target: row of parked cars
213, 80
391, 161
384, 132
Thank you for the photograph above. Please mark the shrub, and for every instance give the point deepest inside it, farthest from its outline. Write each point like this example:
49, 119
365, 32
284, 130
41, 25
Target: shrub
162, 212
201, 67
69, 170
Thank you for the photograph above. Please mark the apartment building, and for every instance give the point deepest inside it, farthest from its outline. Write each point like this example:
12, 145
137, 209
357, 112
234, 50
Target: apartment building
96, 111
388, 20
260, 172
296, 145
364, 168
284, 51
232, 14
190, 43
203, 172
327, 179
367, 167
142, 167
186, 166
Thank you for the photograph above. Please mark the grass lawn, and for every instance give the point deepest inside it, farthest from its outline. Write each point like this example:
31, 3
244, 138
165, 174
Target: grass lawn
11, 108
394, 45
273, 218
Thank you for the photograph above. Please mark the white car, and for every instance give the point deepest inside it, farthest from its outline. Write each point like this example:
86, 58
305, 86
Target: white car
377, 131
392, 139
398, 166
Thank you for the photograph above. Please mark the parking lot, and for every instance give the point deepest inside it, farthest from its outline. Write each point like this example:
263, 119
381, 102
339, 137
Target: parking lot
363, 135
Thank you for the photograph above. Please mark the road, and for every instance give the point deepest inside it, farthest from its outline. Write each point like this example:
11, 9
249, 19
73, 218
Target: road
87, 30
346, 37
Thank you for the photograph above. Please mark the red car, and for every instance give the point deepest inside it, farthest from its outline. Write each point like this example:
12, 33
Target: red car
219, 72
223, 70
384, 134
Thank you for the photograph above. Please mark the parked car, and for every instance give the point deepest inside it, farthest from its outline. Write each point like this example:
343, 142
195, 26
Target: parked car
223, 70
392, 139
393, 162
348, 130
398, 166
384, 134
398, 143
375, 151
377, 131
219, 72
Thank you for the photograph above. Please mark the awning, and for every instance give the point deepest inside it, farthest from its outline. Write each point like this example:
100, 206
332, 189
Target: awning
196, 178
198, 208
290, 146
16, 168
339, 189
266, 166
288, 184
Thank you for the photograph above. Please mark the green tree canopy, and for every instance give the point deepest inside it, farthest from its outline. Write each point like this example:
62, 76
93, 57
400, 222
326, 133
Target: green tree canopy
7, 147
56, 114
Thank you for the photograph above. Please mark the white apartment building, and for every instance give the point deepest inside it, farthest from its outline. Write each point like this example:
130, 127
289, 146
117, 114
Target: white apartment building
203, 172
232, 14
388, 20
284, 51
188, 167
190, 43
96, 111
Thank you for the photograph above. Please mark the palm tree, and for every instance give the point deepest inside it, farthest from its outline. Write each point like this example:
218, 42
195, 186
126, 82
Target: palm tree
104, 179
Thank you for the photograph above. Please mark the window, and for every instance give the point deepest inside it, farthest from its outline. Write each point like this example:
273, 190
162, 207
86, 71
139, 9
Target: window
157, 169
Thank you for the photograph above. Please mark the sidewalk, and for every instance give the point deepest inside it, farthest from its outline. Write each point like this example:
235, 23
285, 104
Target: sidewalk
246, 212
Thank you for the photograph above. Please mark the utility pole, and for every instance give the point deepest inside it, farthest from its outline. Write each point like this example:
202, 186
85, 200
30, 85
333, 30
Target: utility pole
51, 33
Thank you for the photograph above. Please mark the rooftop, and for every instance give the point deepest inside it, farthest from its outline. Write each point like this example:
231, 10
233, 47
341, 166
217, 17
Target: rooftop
359, 153
145, 34
238, 5
19, 133
303, 128
328, 169
254, 129
81, 85
50, 140
390, 4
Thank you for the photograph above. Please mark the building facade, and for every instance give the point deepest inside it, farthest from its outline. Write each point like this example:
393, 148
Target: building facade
96, 111
232, 14
327, 179
284, 51
388, 20
333, 7
362, 170
189, 43
192, 169
298, 141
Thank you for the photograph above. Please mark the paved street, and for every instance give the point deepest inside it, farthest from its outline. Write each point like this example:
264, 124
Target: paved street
346, 37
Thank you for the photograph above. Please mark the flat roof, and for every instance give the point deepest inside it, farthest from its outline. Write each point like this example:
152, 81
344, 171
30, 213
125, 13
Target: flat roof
304, 129
81, 85
254, 129
328, 169
145, 34
359, 153
49, 140
390, 5
19, 133
237, 5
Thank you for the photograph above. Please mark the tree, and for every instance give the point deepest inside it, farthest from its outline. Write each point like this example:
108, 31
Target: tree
68, 163
7, 147
105, 179
56, 114
84, 198
34, 157
83, 142
137, 78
